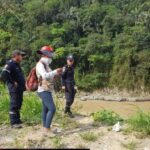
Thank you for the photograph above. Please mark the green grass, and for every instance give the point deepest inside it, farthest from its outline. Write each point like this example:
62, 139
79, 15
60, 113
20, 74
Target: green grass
57, 142
140, 122
89, 136
130, 146
4, 109
106, 117
30, 112
65, 122
31, 109
2, 89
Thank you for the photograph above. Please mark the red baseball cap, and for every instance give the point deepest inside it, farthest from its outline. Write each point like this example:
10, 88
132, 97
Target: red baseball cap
47, 51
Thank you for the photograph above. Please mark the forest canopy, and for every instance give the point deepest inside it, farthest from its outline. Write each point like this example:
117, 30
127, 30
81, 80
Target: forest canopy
110, 39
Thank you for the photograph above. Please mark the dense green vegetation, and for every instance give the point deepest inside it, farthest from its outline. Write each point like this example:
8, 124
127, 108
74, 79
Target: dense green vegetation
106, 117
109, 38
140, 122
30, 112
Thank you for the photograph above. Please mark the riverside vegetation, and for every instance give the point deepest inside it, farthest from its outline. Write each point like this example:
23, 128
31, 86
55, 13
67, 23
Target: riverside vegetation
109, 39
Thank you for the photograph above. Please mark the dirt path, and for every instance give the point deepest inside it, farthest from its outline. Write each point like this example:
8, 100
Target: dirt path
106, 139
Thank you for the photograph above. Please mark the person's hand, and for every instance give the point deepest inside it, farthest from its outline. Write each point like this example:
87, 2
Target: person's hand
63, 69
76, 88
59, 71
63, 87
16, 84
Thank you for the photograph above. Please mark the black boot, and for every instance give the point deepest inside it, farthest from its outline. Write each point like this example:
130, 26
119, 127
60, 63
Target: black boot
66, 109
14, 121
70, 113
18, 116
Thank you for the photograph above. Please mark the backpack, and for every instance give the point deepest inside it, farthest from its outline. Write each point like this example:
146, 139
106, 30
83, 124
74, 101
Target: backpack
32, 80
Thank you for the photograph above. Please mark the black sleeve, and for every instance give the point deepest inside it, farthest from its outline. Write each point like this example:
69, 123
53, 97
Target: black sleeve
6, 73
63, 77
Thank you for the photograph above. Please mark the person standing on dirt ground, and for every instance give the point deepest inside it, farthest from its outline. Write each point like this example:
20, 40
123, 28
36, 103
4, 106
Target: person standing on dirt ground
46, 76
15, 81
68, 84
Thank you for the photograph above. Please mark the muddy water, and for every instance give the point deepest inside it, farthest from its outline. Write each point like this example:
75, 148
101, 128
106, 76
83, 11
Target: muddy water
125, 109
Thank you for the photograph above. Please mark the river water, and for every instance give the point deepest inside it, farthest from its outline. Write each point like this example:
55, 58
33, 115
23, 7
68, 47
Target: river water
124, 109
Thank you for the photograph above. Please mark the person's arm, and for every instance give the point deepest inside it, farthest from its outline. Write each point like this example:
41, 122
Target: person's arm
43, 73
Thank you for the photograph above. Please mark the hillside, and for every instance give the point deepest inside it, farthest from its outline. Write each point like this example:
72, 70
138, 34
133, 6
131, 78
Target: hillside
109, 38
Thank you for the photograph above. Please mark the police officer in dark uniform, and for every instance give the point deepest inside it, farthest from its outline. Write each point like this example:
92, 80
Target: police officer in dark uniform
68, 84
15, 80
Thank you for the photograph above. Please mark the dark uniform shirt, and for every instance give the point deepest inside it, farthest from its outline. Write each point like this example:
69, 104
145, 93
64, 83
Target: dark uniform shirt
68, 75
13, 73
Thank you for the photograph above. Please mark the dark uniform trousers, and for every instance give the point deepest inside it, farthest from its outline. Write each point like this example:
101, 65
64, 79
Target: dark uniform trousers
69, 93
16, 98
69, 83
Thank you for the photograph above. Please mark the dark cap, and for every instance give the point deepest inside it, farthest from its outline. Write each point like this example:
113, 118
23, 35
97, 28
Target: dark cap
18, 52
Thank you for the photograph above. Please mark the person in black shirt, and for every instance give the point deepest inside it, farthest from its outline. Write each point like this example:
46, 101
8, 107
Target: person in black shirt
68, 84
15, 81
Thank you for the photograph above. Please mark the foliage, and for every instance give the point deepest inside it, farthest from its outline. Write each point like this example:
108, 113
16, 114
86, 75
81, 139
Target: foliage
88, 136
57, 142
91, 81
106, 117
140, 122
4, 108
110, 40
31, 110
130, 146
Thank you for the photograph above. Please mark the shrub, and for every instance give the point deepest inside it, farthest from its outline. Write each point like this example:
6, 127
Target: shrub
140, 122
4, 109
57, 142
88, 136
130, 146
106, 117
90, 82
31, 109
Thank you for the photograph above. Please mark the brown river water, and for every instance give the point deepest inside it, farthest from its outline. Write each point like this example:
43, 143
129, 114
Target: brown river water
124, 109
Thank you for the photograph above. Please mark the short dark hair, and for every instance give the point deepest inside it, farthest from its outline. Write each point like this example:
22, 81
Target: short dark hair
18, 52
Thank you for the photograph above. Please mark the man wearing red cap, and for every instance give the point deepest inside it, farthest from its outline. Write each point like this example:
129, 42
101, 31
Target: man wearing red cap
46, 77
